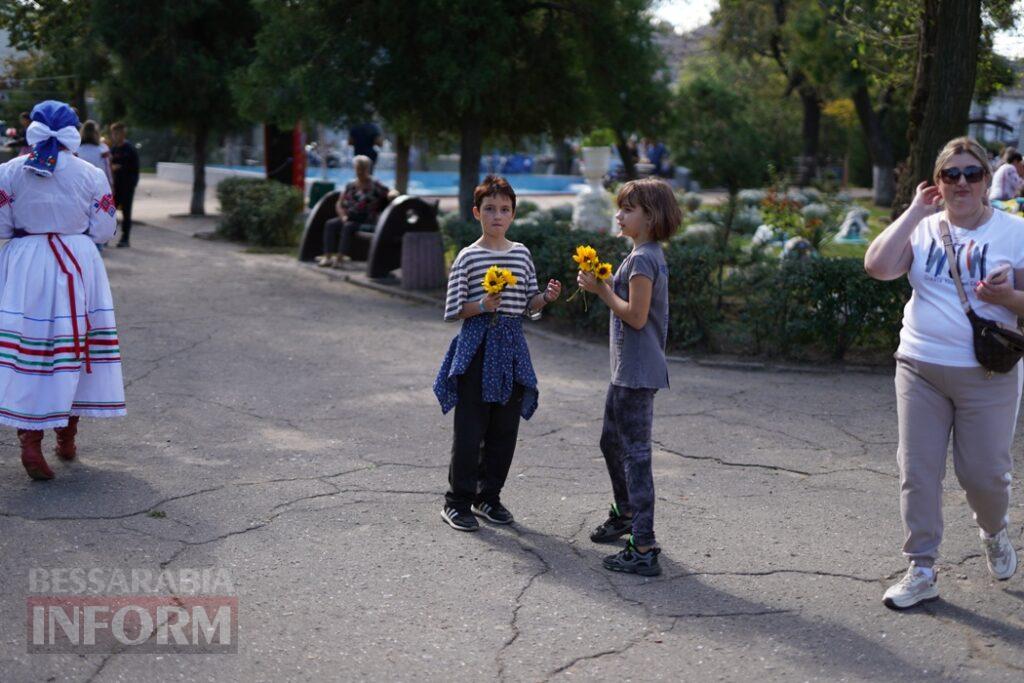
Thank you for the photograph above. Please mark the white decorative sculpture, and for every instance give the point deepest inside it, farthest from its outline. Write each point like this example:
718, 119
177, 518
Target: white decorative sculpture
592, 208
854, 227
765, 235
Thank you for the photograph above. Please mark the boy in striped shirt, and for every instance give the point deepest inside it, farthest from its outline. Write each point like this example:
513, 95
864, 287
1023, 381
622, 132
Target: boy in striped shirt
487, 375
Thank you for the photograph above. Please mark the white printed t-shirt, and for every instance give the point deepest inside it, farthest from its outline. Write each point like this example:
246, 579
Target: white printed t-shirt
935, 327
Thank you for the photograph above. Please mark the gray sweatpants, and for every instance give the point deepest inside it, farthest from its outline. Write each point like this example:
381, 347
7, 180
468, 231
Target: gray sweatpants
931, 401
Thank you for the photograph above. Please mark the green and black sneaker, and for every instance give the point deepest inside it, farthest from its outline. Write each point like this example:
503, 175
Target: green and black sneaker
613, 528
631, 561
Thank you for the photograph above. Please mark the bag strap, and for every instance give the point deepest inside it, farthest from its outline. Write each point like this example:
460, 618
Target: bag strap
947, 243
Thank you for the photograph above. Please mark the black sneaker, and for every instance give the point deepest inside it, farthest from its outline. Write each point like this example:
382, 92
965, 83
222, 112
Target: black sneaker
460, 520
632, 561
613, 528
493, 512
122, 244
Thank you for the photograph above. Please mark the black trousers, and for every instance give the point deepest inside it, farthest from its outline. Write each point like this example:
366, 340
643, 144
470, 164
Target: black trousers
123, 198
484, 441
338, 236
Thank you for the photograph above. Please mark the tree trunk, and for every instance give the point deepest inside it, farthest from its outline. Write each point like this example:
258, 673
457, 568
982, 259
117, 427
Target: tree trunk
883, 182
199, 172
626, 154
402, 163
78, 101
947, 61
811, 132
470, 145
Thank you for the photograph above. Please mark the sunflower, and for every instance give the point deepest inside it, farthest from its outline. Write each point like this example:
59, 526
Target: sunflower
585, 257
508, 278
493, 282
603, 271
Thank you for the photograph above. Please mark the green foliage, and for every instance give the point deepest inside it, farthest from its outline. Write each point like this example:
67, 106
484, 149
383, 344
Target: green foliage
819, 305
803, 309
730, 123
64, 47
264, 213
599, 137
175, 60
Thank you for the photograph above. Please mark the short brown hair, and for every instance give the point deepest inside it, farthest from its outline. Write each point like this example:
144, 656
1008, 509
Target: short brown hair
657, 200
492, 186
116, 126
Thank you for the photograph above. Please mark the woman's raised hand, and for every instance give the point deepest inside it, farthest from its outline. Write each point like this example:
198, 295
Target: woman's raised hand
926, 198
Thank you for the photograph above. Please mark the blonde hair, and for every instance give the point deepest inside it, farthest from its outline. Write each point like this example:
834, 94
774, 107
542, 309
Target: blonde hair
964, 145
362, 160
657, 200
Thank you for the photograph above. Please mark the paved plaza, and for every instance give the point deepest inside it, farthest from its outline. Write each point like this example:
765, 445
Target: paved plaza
282, 427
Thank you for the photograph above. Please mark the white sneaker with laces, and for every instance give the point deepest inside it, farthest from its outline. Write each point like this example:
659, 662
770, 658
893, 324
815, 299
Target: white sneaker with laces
917, 585
1000, 555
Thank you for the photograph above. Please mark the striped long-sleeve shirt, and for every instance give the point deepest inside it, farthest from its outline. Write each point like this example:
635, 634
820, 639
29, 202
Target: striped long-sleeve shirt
465, 281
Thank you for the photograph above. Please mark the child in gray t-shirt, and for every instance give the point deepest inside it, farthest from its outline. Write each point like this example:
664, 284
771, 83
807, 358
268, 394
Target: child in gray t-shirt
637, 330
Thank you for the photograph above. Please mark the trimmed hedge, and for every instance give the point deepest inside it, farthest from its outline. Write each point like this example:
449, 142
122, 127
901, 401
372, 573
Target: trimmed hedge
799, 309
261, 212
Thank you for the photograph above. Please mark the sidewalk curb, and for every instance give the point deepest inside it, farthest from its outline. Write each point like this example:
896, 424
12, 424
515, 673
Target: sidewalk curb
360, 280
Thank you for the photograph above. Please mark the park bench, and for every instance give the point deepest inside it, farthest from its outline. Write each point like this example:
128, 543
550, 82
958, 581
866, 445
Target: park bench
381, 244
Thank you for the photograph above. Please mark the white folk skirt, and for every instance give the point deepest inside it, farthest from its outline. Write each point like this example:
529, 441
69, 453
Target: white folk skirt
59, 352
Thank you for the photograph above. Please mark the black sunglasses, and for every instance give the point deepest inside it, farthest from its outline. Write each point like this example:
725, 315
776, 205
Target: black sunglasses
972, 174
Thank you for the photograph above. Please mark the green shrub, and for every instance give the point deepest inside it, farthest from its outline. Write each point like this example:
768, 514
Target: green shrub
800, 309
261, 212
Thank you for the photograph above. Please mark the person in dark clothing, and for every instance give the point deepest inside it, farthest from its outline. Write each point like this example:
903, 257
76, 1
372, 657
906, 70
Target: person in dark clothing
360, 204
124, 162
364, 139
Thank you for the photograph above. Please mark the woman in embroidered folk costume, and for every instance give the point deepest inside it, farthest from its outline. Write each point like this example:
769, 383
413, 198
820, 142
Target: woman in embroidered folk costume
59, 354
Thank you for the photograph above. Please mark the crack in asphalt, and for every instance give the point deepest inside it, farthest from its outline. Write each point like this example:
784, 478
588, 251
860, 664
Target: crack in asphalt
158, 361
775, 468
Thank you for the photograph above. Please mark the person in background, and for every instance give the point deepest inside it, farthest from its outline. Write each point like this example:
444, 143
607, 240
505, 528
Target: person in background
359, 204
94, 150
124, 164
364, 139
1007, 180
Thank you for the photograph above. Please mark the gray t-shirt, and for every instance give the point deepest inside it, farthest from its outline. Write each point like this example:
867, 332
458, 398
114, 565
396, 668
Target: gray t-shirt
638, 356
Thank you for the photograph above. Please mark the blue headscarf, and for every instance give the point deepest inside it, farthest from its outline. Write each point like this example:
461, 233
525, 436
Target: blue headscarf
53, 124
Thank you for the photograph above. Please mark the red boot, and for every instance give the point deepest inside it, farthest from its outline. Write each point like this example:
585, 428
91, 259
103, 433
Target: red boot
66, 439
32, 454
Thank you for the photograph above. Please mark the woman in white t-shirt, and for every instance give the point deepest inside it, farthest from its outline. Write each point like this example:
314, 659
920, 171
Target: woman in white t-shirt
93, 150
940, 386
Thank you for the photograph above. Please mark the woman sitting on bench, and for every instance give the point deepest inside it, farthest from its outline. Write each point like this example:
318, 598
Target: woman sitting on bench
359, 206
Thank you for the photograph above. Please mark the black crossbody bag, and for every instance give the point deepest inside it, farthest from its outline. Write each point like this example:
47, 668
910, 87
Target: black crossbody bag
997, 347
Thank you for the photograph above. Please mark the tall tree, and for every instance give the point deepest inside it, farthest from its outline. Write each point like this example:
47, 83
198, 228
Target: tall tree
949, 34
503, 67
174, 64
67, 48
759, 28
630, 93
954, 61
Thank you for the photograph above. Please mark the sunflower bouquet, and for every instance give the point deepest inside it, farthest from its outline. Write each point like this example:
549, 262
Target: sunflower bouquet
496, 280
587, 261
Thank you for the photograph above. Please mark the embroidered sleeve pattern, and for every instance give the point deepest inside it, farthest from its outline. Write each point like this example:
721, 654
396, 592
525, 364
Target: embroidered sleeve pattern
6, 205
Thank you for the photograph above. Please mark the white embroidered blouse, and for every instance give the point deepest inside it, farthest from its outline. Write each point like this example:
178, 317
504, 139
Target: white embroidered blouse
75, 200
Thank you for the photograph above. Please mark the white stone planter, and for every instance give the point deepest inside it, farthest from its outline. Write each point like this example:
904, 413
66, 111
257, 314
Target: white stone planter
592, 209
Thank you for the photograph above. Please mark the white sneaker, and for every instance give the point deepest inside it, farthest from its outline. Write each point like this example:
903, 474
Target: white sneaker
916, 586
1000, 555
